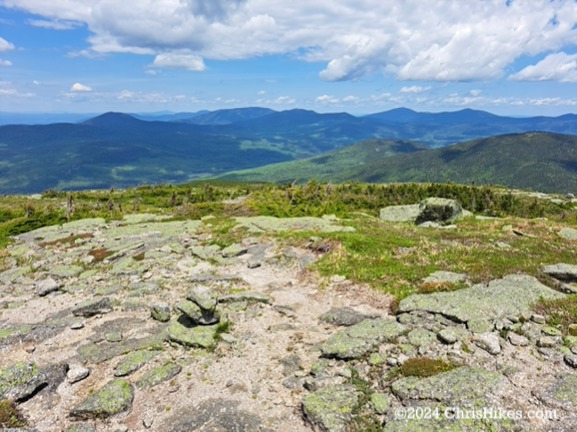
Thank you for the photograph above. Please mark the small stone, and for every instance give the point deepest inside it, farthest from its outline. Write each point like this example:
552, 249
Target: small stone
571, 360
568, 233
77, 373
517, 339
47, 286
203, 297
160, 312
562, 272
480, 326
114, 336
489, 342
253, 264
147, 423
343, 316
546, 342
380, 402
551, 331
115, 397
539, 319
30, 349
197, 314
93, 308
448, 336
77, 326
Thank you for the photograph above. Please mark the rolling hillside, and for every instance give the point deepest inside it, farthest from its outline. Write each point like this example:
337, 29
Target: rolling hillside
537, 161
330, 166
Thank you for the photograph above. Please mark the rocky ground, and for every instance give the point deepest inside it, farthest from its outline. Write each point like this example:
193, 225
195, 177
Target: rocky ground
148, 324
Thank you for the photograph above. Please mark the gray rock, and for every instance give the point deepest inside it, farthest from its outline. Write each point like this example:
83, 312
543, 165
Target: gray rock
204, 297
233, 251
246, 296
359, 339
214, 415
546, 342
20, 381
115, 397
480, 326
517, 339
343, 316
291, 364
133, 362
441, 210
571, 360
82, 427
511, 296
160, 312
93, 307
400, 213
158, 375
445, 277
562, 393
331, 408
489, 342
448, 336
184, 332
198, 315
421, 337
457, 387
77, 373
568, 233
562, 272
380, 402
47, 286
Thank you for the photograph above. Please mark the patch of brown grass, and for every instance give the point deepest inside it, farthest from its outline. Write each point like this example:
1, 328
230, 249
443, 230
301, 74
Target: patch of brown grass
100, 254
10, 415
70, 240
423, 367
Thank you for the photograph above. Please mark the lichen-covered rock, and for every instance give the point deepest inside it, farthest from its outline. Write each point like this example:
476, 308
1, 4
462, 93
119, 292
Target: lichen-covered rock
115, 397
160, 312
489, 342
562, 272
511, 296
445, 277
20, 381
359, 339
568, 233
462, 386
158, 375
400, 213
261, 224
47, 286
204, 297
214, 415
380, 402
133, 361
246, 296
82, 427
421, 337
184, 332
330, 408
562, 393
93, 307
342, 316
198, 315
441, 210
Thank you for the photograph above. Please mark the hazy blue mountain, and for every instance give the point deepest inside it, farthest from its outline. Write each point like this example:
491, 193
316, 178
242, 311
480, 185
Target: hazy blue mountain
227, 116
7, 118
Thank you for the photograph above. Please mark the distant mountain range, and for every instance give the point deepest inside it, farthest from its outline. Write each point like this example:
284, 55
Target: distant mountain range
117, 149
539, 161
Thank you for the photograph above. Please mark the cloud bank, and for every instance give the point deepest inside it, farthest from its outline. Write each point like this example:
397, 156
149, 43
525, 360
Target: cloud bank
425, 40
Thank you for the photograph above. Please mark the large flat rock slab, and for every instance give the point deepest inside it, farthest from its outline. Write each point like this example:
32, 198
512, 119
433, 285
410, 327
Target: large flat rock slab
511, 296
359, 339
262, 224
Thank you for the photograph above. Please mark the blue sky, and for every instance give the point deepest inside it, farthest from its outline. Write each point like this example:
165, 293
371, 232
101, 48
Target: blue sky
515, 57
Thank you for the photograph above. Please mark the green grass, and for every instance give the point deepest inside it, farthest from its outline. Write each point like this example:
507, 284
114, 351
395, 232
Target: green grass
561, 313
423, 367
10, 415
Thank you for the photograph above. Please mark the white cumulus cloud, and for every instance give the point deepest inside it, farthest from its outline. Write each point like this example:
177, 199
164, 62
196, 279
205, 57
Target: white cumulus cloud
5, 45
414, 89
420, 40
5, 63
182, 60
77, 87
555, 67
